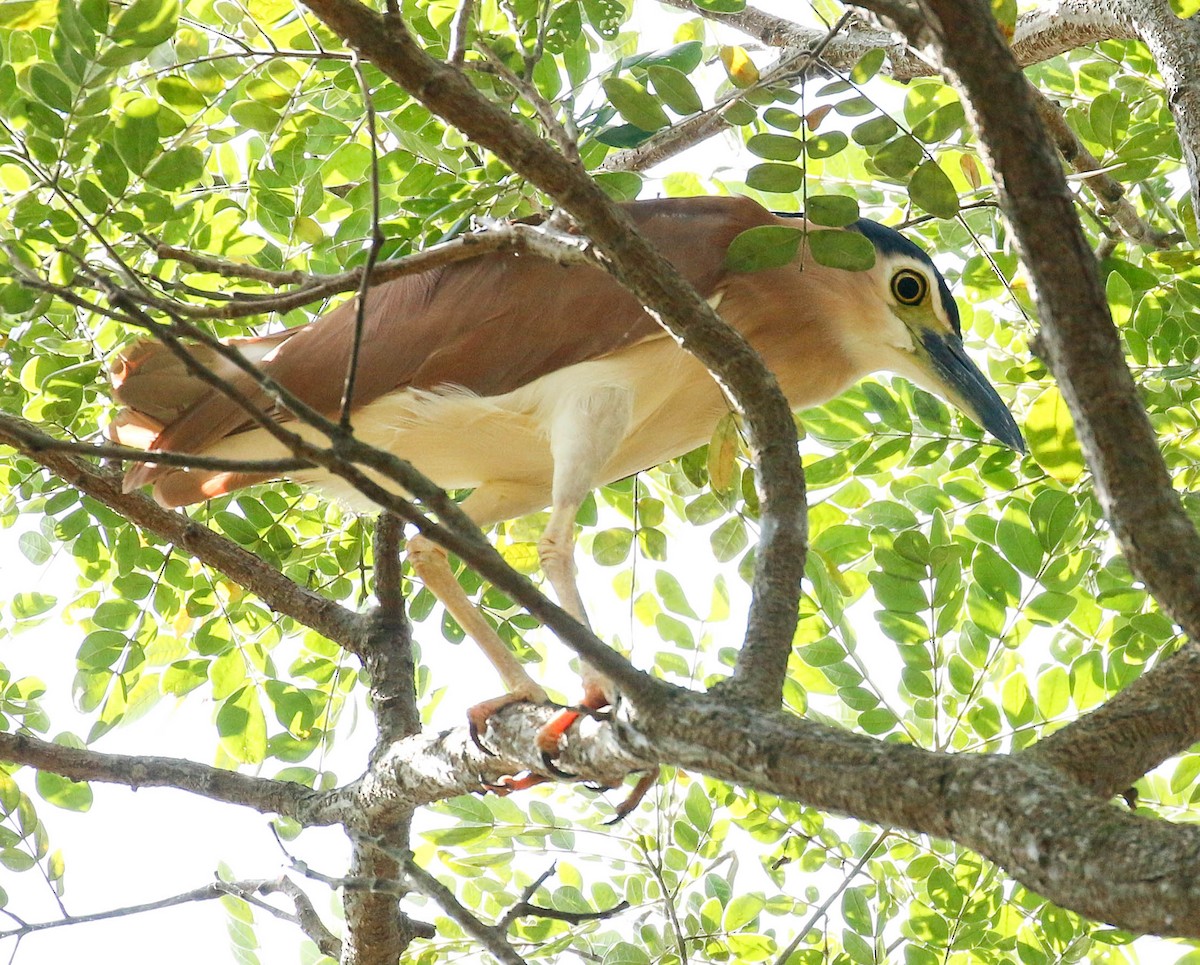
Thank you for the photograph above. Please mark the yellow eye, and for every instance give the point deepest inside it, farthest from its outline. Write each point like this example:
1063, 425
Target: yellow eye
909, 287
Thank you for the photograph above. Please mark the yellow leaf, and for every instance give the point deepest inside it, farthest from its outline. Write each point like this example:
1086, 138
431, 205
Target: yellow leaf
1051, 436
739, 66
970, 170
722, 454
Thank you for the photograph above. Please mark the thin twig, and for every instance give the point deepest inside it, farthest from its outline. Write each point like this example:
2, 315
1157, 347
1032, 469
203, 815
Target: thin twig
377, 239
33, 440
833, 896
460, 32
530, 890
494, 64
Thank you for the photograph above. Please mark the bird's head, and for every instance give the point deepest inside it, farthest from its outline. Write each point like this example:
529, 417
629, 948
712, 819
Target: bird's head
907, 322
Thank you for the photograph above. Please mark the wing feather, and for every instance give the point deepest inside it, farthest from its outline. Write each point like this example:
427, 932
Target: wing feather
488, 325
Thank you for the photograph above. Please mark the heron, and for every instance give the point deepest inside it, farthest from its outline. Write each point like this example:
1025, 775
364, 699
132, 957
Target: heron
531, 383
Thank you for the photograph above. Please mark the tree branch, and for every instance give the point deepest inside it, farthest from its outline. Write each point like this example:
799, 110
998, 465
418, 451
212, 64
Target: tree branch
1084, 351
1110, 191
1040, 35
491, 937
780, 561
327, 617
295, 801
501, 236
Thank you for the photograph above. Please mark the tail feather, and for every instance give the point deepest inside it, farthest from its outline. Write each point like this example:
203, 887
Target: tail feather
155, 389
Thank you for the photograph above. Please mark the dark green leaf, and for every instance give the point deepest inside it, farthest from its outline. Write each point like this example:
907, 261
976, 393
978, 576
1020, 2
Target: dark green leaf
831, 210
675, 90
932, 189
775, 147
634, 103
766, 246
837, 248
775, 178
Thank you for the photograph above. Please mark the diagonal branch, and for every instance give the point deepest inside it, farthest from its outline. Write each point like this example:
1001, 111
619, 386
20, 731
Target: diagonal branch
762, 662
281, 594
704, 124
1084, 351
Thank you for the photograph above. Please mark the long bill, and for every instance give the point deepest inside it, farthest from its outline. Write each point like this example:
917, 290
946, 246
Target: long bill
962, 383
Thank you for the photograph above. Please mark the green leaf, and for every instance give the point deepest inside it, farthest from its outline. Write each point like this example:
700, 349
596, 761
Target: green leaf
634, 103
742, 910
63, 792
729, 539
1018, 542
35, 547
611, 546
136, 133
775, 178
897, 158
775, 147
242, 727
26, 14
675, 90
932, 189
826, 145
50, 87
782, 118
763, 247
838, 248
684, 57
176, 169
698, 807
28, 605
606, 16
146, 23
831, 210
1051, 436
996, 576
868, 65
875, 131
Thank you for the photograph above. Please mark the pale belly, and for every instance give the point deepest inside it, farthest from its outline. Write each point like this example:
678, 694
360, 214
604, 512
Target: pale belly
500, 445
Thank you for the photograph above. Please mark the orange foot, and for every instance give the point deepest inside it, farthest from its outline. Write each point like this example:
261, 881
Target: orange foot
479, 715
506, 785
549, 738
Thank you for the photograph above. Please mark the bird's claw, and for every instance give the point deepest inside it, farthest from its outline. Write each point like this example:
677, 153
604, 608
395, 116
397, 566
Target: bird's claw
552, 768
473, 730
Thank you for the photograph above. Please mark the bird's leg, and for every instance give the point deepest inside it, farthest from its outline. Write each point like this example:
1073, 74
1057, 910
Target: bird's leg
430, 564
556, 550
583, 438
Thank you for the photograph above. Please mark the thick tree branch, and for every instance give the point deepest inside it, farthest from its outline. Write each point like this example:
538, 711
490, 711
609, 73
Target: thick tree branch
295, 801
1110, 191
1075, 849
1084, 351
387, 650
763, 658
328, 618
1175, 46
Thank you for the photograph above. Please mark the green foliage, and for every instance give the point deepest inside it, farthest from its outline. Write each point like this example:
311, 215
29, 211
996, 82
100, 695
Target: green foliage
959, 596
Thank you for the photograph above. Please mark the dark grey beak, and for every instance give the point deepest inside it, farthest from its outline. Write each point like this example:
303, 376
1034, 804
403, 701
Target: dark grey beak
969, 389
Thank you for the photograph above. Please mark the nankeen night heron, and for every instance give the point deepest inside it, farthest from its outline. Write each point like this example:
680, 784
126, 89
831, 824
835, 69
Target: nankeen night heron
531, 383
